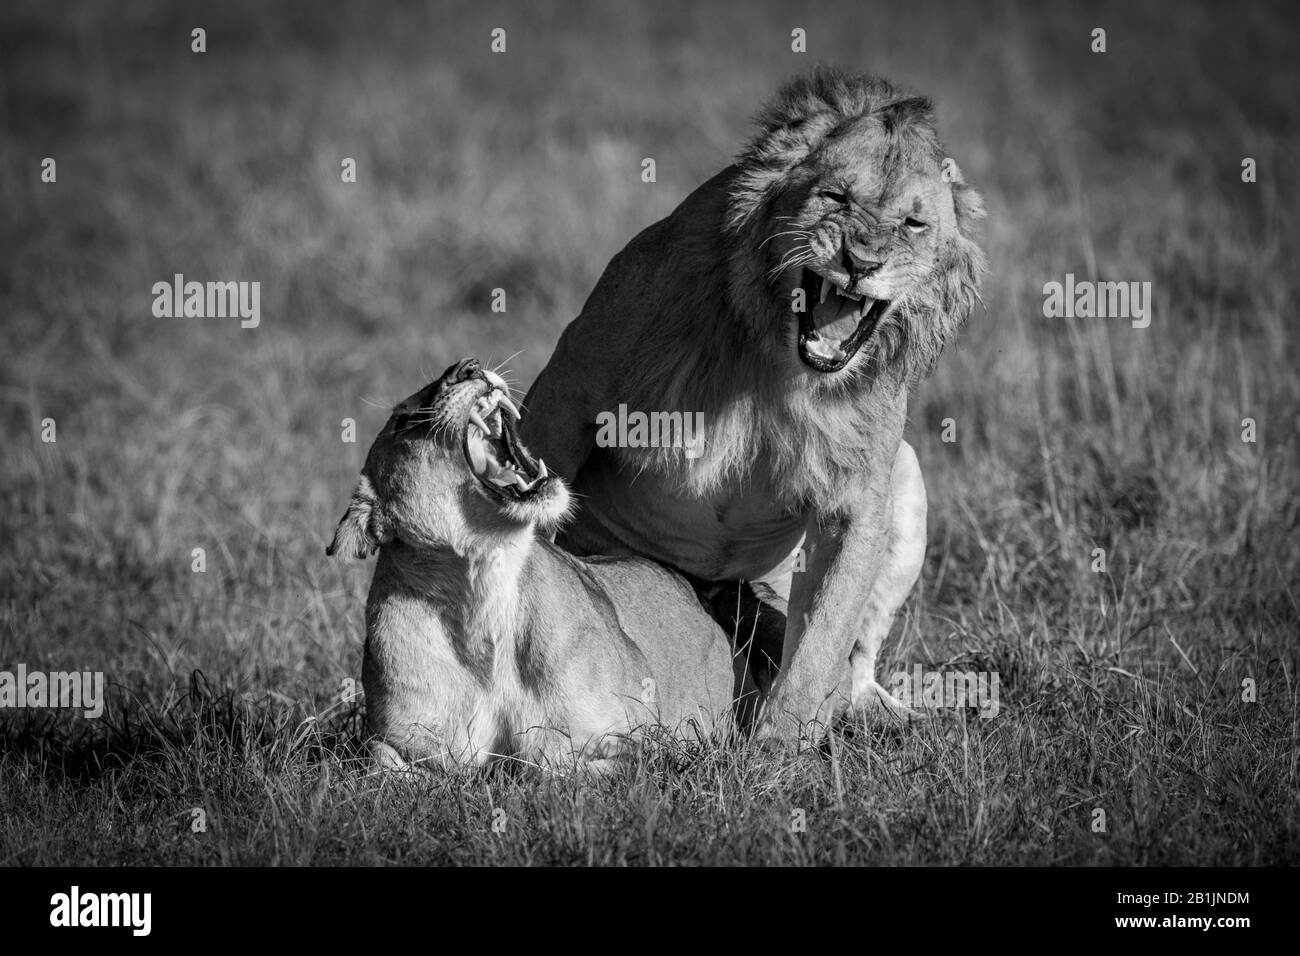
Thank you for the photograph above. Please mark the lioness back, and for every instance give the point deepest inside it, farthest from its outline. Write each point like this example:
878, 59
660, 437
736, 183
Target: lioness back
690, 657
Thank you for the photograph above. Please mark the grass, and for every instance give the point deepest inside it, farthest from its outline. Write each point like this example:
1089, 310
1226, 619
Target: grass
1120, 690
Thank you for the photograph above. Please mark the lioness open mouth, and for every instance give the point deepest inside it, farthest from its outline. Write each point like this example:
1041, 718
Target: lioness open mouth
494, 452
833, 330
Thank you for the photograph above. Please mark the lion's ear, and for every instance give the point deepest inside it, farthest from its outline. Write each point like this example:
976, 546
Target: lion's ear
904, 112
362, 529
966, 200
970, 209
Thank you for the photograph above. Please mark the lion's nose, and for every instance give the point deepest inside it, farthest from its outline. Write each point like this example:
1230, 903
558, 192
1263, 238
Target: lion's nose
862, 261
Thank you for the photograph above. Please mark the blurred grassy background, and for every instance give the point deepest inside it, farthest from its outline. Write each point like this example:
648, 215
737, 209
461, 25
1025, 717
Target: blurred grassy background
523, 171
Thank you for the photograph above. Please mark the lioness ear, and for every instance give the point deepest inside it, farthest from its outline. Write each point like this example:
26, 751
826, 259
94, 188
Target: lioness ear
362, 529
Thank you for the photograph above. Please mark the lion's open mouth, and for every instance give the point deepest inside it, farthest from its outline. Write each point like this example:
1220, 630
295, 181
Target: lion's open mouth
494, 452
838, 324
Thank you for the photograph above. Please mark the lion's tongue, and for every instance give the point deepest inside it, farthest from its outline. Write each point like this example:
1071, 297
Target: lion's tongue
837, 317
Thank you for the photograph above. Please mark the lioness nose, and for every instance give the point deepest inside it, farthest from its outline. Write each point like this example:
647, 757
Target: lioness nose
464, 370
862, 261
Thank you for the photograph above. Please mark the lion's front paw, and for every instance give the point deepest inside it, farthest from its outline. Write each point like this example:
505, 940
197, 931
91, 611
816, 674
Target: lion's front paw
873, 703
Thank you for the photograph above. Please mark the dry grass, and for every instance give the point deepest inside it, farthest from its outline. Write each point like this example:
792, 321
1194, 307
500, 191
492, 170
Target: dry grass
1119, 690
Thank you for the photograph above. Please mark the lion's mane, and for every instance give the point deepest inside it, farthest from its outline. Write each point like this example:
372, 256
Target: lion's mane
715, 303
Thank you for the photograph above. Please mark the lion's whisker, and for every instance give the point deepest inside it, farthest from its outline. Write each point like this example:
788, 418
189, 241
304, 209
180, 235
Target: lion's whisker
776, 273
796, 252
796, 257
788, 232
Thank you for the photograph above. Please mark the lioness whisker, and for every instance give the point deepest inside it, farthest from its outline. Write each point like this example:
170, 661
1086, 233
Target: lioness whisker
504, 373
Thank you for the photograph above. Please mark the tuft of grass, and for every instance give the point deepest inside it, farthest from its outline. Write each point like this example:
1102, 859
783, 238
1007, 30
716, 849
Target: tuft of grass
1177, 773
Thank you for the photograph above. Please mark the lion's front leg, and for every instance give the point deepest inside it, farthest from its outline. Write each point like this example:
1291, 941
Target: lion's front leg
899, 568
859, 572
828, 604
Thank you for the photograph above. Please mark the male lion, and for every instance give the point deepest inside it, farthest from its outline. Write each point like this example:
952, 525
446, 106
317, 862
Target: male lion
792, 299
485, 640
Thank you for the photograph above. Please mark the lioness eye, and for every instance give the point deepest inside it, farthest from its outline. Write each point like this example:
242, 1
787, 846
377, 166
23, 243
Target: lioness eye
834, 196
915, 225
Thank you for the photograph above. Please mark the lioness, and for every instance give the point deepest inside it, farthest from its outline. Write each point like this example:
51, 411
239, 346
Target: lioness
483, 639
791, 299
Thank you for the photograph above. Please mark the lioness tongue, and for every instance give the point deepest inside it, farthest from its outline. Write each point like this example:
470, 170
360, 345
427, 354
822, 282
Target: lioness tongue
478, 454
837, 317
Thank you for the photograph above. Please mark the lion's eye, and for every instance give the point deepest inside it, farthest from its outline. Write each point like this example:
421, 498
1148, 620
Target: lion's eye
915, 225
833, 196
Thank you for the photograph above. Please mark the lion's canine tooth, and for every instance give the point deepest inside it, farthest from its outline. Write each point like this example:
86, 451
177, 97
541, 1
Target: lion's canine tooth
541, 470
827, 285
504, 402
522, 483
477, 419
867, 303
